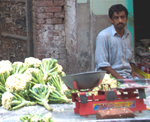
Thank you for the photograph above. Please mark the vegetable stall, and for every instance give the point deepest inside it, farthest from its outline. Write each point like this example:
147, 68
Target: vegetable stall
32, 82
34, 91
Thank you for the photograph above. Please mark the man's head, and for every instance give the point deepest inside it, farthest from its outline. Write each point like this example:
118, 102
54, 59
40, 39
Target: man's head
118, 15
117, 8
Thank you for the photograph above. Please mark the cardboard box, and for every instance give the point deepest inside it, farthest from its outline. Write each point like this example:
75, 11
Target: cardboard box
144, 74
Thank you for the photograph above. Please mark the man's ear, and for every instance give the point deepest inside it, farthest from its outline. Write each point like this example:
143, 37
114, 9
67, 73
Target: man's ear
127, 18
111, 20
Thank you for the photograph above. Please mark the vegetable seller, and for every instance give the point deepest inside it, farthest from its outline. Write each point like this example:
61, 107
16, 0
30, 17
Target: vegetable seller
114, 52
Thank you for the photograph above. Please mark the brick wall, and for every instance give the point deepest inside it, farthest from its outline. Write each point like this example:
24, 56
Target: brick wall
49, 30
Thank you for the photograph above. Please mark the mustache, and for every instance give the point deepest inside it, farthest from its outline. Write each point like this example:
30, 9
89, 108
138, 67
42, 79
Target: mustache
120, 23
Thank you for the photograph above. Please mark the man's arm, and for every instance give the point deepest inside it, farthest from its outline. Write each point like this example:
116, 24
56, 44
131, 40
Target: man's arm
134, 73
112, 72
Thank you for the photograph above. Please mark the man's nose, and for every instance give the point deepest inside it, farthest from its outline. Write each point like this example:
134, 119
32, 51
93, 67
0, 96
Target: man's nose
120, 19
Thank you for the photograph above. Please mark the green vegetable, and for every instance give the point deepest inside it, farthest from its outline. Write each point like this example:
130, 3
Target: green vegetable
57, 82
38, 78
41, 94
19, 68
1, 98
69, 92
37, 117
118, 83
12, 101
48, 66
57, 97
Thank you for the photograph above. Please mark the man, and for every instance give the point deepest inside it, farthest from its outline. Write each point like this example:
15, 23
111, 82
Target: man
114, 52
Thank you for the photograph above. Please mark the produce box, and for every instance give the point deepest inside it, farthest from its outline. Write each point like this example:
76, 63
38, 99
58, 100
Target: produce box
146, 75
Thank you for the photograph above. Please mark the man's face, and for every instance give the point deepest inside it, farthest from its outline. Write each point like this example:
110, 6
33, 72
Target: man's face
119, 20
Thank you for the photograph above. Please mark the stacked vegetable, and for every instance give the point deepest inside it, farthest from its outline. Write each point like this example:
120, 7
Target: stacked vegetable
37, 117
108, 82
31, 82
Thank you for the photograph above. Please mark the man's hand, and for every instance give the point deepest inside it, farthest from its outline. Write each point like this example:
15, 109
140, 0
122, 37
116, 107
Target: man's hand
112, 72
133, 73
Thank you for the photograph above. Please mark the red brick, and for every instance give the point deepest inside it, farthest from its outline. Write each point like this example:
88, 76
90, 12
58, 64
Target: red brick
53, 9
46, 27
40, 21
40, 9
54, 21
43, 3
59, 15
44, 15
59, 3
115, 113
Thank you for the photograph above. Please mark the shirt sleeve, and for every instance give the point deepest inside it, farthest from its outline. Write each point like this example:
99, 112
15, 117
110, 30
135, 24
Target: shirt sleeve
101, 52
132, 50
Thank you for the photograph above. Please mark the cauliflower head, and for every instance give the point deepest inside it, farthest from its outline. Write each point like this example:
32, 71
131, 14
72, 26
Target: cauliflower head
17, 82
33, 61
6, 100
110, 81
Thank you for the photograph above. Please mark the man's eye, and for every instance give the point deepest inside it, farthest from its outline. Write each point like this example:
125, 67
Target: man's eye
122, 17
115, 17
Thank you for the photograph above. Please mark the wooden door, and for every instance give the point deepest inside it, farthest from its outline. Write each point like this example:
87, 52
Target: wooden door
15, 30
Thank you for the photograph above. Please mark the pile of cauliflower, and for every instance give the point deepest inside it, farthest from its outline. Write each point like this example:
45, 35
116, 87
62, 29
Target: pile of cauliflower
107, 83
16, 77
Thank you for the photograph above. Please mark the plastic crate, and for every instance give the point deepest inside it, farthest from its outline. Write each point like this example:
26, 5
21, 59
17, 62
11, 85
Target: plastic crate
145, 75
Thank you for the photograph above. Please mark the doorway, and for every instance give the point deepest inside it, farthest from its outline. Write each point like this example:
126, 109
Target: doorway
141, 20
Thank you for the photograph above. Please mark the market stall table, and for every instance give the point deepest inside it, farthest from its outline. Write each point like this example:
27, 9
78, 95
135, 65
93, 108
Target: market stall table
65, 113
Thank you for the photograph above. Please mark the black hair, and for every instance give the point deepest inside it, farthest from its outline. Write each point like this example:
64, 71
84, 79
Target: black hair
117, 8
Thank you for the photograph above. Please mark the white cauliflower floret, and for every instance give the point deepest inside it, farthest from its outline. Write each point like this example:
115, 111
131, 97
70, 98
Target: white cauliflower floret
33, 61
110, 81
17, 82
5, 62
6, 100
29, 71
6, 65
46, 59
18, 63
59, 68
4, 70
94, 91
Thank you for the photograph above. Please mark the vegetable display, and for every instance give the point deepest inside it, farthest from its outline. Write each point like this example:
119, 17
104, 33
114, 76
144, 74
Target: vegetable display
41, 94
108, 82
37, 117
31, 82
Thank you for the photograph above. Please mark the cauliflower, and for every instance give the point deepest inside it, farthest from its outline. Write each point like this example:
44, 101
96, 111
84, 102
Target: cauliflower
18, 63
18, 67
41, 94
33, 61
6, 100
46, 59
6, 64
12, 101
17, 82
29, 71
94, 91
110, 81
59, 68
107, 80
4, 70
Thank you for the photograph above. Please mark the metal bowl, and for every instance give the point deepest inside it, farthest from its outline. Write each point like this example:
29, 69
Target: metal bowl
85, 80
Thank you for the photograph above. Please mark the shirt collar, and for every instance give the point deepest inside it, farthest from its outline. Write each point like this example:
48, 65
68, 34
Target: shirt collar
126, 32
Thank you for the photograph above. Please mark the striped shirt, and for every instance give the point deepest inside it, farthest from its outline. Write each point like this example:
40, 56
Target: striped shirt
114, 51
